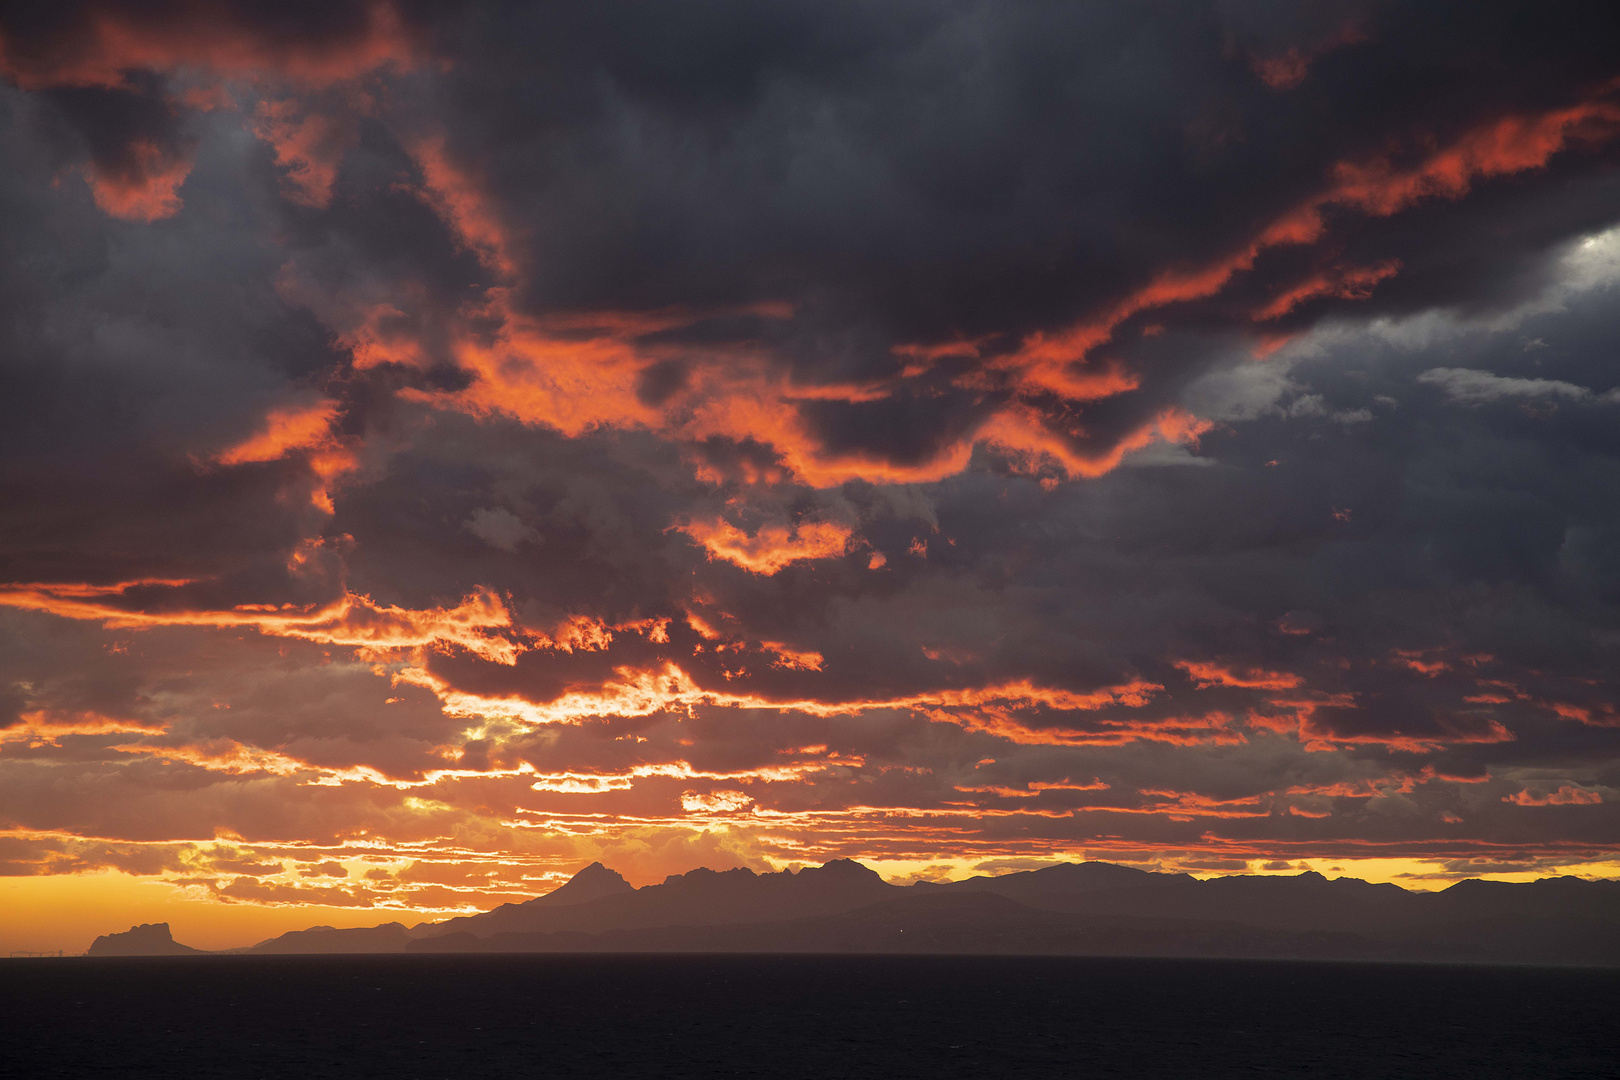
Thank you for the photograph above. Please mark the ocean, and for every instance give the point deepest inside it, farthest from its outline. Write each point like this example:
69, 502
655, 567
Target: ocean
821, 1017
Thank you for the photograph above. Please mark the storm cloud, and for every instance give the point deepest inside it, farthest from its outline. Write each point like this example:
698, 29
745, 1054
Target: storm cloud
440, 444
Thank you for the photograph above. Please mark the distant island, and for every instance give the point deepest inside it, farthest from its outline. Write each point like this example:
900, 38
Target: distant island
147, 939
1071, 909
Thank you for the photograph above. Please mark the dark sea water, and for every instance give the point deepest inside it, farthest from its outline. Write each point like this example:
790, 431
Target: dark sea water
800, 1016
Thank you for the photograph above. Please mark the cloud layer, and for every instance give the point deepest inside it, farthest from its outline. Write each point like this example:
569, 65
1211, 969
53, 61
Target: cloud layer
443, 444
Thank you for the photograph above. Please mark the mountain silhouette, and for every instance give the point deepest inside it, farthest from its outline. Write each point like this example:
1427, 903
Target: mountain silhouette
592, 883
147, 939
387, 938
940, 922
696, 898
1089, 908
1306, 902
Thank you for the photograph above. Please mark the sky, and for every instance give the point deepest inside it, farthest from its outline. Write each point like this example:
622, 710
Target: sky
442, 445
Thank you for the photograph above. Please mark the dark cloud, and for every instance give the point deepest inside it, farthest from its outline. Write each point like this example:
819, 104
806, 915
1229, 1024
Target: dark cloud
440, 444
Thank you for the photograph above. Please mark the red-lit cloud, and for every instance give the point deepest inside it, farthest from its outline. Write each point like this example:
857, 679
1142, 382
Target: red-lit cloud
308, 144
287, 429
1346, 283
1206, 674
772, 547
107, 45
1375, 187
144, 187
351, 621
106, 41
1566, 795
1285, 69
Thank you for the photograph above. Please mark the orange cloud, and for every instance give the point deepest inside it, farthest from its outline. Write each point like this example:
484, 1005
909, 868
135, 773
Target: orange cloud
1032, 789
1205, 675
1413, 660
1604, 715
1024, 692
1282, 72
524, 370
923, 357
1429, 772
772, 547
290, 428
1186, 805
1299, 719
583, 372
579, 632
308, 145
715, 802
745, 401
1566, 795
1358, 789
352, 621
381, 334
668, 688
221, 756
1042, 357
1509, 145
1354, 283
357, 621
1059, 377
1210, 729
109, 42
144, 188
792, 659
589, 783
1020, 432
1505, 146
1286, 70
299, 428
42, 726
112, 41
1318, 739
454, 195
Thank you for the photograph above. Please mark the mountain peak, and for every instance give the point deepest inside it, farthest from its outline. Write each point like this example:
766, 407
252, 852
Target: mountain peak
595, 882
847, 869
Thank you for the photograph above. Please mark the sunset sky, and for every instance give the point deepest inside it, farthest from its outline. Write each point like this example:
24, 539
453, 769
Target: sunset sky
443, 445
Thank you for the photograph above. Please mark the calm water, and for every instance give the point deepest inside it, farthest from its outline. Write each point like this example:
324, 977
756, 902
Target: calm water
784, 1017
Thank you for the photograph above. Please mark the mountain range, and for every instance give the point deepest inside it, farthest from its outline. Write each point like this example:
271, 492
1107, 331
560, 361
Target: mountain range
1082, 909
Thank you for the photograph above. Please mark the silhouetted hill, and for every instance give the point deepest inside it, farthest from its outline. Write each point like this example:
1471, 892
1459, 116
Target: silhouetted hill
1564, 896
1056, 887
595, 882
1095, 909
1306, 902
147, 939
1081, 909
935, 922
387, 938
697, 898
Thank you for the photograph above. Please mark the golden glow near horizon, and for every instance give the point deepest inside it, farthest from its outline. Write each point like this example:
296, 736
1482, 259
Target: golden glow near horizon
67, 911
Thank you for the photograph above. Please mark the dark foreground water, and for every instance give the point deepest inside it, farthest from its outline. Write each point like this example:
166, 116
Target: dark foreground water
808, 1016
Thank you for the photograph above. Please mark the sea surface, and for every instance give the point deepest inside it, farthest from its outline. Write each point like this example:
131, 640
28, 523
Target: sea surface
474, 1017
